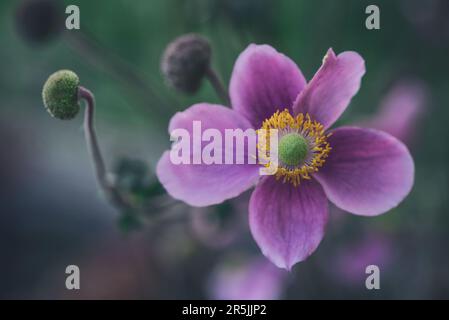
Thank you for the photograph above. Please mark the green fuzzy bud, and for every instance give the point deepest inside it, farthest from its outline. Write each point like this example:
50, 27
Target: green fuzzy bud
60, 95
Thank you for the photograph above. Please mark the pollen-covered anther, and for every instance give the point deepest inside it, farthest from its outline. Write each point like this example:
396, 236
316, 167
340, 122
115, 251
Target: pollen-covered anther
302, 145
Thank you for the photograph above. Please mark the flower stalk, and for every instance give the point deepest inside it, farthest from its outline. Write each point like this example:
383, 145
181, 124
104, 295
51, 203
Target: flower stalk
217, 84
92, 144
186, 61
116, 67
110, 190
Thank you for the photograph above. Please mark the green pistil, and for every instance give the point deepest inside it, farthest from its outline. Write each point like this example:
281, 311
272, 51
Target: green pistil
292, 149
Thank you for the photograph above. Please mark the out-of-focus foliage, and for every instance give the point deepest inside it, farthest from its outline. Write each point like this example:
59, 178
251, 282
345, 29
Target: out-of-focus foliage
52, 214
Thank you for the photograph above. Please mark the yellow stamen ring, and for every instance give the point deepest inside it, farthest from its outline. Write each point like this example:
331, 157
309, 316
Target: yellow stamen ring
312, 131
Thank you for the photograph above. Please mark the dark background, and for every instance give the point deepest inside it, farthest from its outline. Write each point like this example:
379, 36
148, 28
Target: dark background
52, 214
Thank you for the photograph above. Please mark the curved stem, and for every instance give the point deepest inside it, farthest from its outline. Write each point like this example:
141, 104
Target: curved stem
92, 144
117, 68
91, 137
110, 191
216, 82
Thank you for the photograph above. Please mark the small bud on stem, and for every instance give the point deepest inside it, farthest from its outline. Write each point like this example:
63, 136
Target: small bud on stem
60, 95
186, 61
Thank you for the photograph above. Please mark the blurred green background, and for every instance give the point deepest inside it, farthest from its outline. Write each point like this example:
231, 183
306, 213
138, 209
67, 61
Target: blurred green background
52, 214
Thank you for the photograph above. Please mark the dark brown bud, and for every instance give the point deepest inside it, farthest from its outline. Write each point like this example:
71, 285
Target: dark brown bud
39, 21
185, 62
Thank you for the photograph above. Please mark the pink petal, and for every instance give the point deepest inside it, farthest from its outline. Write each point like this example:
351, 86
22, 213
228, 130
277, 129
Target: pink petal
328, 94
250, 279
264, 81
368, 172
287, 222
401, 111
352, 259
201, 184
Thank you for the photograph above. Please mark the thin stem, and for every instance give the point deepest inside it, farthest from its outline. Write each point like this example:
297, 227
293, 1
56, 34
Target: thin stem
92, 144
118, 68
109, 189
216, 82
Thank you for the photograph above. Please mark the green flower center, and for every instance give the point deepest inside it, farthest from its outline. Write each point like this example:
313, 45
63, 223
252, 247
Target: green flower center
292, 149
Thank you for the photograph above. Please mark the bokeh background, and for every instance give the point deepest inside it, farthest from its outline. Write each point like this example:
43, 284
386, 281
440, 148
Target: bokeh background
53, 215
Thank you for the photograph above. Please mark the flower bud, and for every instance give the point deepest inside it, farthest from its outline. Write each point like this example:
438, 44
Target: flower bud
60, 95
38, 21
185, 62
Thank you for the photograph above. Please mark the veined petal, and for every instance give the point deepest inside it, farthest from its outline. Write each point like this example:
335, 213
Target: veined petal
201, 184
264, 81
368, 172
288, 222
329, 92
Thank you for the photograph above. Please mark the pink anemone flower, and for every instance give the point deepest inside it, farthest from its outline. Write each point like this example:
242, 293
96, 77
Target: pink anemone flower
247, 279
363, 171
401, 110
350, 262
